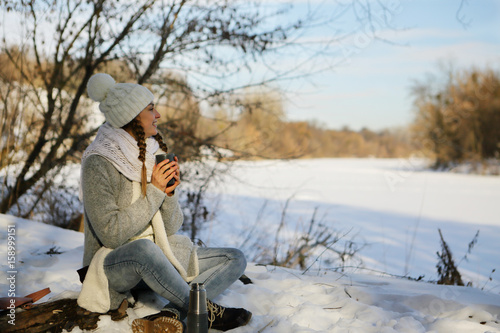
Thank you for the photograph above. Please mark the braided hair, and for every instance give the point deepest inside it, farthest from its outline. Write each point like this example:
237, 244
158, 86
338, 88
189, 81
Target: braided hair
138, 131
159, 139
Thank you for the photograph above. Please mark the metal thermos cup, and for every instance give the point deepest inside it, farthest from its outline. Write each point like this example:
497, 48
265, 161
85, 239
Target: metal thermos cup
197, 318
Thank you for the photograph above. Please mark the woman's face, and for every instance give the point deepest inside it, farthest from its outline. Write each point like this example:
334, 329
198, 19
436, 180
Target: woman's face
148, 118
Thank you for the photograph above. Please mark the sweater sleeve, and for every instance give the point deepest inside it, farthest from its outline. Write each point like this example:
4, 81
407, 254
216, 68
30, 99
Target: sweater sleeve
113, 224
171, 213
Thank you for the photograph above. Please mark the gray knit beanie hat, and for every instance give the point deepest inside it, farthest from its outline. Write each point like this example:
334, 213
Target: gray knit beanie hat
120, 102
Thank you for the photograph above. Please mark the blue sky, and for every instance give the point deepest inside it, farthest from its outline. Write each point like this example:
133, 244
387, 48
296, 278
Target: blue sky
360, 82
369, 82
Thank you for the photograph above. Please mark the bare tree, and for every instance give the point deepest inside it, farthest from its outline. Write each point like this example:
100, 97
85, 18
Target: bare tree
87, 37
45, 115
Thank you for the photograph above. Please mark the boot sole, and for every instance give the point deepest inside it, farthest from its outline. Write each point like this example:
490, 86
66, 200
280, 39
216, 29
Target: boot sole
159, 325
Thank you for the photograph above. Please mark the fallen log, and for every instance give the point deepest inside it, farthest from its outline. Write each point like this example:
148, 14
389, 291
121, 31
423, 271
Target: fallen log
63, 314
56, 316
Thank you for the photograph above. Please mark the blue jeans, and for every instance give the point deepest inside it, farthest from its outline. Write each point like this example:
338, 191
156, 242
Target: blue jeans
142, 261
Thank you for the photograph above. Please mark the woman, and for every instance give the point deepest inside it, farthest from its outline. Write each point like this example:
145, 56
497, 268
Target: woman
132, 216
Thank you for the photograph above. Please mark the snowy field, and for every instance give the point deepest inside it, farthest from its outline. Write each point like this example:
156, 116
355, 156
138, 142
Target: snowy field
393, 207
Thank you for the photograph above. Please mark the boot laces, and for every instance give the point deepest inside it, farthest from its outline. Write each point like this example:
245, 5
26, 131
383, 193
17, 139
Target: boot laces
213, 311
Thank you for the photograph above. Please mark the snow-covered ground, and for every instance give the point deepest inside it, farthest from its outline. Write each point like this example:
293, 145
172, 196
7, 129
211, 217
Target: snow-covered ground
394, 207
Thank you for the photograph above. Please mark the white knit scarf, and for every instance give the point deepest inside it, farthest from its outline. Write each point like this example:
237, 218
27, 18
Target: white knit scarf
120, 148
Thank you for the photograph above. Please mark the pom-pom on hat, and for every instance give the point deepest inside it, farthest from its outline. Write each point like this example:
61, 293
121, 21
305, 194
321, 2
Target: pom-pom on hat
120, 102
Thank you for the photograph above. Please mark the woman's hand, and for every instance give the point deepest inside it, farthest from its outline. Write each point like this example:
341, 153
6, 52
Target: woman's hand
163, 172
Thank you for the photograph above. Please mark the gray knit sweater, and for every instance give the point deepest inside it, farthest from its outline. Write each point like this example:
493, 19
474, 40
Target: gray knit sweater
110, 218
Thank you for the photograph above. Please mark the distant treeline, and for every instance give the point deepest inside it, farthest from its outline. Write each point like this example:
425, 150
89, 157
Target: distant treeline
308, 140
258, 128
458, 116
457, 120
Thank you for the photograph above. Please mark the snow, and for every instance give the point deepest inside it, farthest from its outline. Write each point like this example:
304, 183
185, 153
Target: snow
393, 206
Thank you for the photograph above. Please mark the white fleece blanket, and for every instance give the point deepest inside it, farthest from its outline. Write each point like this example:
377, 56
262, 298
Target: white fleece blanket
95, 291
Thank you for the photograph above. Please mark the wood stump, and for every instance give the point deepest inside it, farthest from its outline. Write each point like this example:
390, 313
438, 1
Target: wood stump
56, 316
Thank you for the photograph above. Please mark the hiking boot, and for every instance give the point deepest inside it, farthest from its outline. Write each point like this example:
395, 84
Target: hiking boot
224, 319
163, 322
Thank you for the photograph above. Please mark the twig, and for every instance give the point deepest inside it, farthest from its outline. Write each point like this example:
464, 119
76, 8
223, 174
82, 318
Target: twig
345, 289
282, 224
326, 249
263, 328
489, 278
